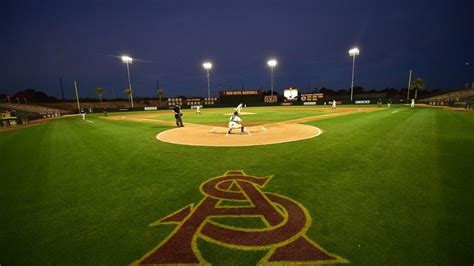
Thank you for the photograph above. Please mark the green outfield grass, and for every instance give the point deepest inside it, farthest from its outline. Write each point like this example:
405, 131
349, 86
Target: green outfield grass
392, 187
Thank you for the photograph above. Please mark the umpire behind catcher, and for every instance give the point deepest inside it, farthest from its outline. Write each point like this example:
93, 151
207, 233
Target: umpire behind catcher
178, 116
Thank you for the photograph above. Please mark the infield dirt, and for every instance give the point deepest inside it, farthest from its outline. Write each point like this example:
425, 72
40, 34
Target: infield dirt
257, 133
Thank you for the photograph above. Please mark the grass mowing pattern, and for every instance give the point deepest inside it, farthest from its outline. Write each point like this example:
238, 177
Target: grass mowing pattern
382, 188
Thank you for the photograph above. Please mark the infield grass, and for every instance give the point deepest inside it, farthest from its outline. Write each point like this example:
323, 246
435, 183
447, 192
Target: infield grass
382, 188
250, 115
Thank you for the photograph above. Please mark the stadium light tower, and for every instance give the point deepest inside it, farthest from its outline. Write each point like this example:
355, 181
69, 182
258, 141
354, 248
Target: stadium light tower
128, 60
208, 66
272, 64
353, 52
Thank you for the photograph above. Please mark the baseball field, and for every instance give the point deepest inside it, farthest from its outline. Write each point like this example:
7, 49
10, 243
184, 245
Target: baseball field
373, 186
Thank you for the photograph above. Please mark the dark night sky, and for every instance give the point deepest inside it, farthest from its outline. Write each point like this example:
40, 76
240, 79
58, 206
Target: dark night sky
42, 40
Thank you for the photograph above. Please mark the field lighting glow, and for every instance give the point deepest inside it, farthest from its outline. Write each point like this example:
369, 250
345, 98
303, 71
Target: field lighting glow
354, 51
207, 65
127, 59
272, 63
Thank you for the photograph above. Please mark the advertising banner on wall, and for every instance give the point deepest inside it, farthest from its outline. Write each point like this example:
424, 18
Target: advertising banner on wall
240, 92
270, 99
337, 102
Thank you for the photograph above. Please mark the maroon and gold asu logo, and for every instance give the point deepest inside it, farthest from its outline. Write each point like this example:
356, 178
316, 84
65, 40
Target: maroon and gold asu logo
236, 194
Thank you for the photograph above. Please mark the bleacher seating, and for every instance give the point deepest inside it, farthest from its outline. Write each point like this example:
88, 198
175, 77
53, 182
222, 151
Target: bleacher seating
451, 98
72, 105
33, 110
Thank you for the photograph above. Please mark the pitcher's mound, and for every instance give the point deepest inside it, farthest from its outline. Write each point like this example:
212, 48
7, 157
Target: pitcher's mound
200, 135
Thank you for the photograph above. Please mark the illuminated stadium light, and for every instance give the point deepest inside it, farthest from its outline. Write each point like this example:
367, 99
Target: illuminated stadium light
207, 66
353, 52
127, 59
272, 64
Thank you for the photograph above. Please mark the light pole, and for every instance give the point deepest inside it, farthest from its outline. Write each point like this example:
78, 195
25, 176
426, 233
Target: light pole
128, 60
272, 64
353, 52
207, 66
77, 97
409, 85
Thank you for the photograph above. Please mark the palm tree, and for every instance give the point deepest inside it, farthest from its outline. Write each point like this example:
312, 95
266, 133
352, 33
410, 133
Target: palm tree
128, 92
159, 93
99, 92
416, 85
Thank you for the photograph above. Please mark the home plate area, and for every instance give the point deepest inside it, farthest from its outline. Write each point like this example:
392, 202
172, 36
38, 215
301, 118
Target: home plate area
201, 135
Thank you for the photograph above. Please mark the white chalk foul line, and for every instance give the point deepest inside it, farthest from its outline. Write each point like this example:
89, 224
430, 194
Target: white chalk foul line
396, 111
90, 121
264, 129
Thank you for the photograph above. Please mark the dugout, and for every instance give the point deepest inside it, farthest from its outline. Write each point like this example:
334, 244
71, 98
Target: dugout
240, 96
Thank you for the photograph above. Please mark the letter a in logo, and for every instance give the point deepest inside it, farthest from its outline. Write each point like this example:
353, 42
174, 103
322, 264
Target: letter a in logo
284, 236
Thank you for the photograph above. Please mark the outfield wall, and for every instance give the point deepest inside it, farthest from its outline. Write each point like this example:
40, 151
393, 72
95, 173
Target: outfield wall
224, 101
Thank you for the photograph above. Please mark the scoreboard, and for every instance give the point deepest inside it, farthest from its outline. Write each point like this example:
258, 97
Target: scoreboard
193, 101
291, 94
311, 97
175, 101
210, 101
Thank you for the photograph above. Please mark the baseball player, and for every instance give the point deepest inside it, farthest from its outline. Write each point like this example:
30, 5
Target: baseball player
177, 115
333, 105
238, 108
83, 114
412, 103
198, 109
235, 122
